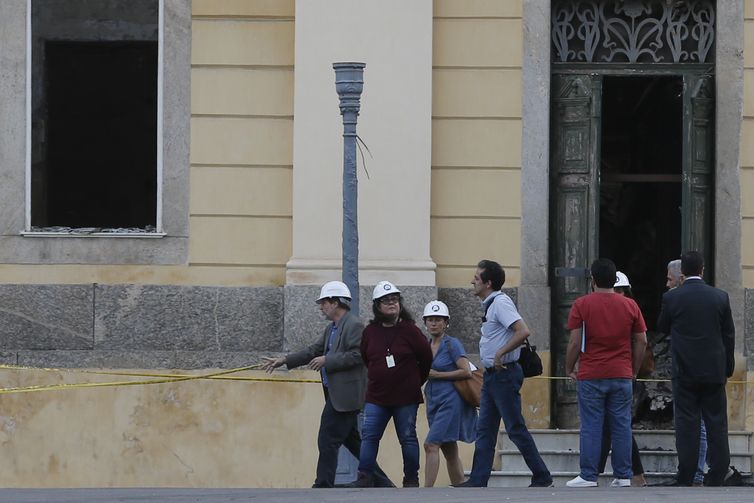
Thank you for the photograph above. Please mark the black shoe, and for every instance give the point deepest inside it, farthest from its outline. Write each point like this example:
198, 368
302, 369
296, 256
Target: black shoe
378, 482
410, 482
320, 485
542, 484
732, 478
363, 480
468, 483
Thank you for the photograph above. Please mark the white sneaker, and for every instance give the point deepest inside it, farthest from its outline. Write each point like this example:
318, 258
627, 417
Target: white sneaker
620, 483
579, 482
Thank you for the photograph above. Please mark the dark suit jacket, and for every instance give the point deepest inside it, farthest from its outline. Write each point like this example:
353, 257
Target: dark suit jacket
346, 374
702, 336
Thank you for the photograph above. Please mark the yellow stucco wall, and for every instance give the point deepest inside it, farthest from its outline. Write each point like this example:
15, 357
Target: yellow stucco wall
189, 434
476, 138
241, 155
241, 147
747, 151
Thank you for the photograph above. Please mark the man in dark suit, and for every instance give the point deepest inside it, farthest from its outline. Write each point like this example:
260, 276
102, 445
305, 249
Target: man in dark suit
699, 321
337, 356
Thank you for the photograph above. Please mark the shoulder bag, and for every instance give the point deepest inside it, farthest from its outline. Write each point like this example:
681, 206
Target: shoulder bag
470, 389
529, 360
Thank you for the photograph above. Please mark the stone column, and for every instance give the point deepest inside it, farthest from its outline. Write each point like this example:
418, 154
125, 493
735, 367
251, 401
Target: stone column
534, 291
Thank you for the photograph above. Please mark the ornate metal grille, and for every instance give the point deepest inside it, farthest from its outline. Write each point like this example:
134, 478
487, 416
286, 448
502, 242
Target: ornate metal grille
633, 31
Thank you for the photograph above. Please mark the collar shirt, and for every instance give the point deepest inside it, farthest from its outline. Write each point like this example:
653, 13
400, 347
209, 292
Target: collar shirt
501, 313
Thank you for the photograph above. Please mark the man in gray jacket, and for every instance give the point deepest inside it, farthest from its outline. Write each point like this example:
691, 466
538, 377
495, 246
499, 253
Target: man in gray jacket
336, 355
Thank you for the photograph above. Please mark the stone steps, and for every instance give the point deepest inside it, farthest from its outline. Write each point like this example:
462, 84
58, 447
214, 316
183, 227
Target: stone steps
654, 440
560, 450
559, 479
653, 461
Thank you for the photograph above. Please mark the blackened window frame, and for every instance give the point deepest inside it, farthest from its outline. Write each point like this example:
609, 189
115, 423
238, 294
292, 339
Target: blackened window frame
97, 167
21, 247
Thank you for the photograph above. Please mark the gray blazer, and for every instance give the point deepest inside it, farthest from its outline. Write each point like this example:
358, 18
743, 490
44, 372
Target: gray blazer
346, 374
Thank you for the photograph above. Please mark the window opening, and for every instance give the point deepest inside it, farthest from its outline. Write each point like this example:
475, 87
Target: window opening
94, 116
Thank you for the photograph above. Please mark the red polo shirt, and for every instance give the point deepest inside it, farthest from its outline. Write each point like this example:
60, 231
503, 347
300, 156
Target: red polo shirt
609, 320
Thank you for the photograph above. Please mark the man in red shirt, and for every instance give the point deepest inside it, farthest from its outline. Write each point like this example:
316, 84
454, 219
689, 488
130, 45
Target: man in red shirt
608, 338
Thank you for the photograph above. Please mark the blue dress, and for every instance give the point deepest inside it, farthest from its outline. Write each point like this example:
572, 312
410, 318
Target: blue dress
450, 418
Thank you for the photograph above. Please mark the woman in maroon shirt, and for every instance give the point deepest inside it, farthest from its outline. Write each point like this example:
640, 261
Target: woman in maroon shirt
398, 358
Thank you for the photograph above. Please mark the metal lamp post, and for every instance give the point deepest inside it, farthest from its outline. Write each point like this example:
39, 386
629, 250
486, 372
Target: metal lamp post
349, 82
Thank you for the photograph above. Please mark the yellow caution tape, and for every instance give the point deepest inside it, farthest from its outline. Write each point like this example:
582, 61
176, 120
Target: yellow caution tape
169, 376
162, 378
169, 379
132, 374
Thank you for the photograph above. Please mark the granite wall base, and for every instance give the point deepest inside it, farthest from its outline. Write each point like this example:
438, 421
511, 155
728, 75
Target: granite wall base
145, 326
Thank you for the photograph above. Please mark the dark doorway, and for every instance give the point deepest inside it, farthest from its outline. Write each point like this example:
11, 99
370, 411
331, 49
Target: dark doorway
101, 162
640, 181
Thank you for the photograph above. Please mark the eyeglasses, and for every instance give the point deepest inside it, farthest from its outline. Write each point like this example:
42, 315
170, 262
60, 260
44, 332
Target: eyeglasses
390, 299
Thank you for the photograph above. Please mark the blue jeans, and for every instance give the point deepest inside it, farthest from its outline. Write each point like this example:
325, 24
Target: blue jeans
376, 418
699, 475
501, 399
600, 400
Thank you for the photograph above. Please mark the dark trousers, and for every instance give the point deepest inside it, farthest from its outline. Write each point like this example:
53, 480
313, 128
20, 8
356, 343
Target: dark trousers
336, 429
636, 467
693, 402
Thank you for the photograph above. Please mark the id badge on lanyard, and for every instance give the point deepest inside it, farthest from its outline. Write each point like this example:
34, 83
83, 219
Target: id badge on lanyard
390, 361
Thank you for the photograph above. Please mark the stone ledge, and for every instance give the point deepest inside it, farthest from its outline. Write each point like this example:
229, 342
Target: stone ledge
46, 317
106, 359
8, 358
98, 359
190, 318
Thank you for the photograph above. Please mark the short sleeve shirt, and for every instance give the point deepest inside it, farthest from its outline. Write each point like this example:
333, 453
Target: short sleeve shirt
608, 321
496, 331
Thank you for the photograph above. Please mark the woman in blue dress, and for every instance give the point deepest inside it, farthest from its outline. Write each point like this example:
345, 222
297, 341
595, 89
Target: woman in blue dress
450, 418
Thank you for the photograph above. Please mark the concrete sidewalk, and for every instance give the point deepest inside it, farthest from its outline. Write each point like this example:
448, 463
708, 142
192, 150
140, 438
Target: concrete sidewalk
436, 495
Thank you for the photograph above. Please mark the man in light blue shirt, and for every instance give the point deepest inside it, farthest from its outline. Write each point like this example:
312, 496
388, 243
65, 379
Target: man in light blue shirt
503, 332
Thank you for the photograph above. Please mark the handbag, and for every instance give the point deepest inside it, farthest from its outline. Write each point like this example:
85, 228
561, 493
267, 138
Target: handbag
529, 360
470, 389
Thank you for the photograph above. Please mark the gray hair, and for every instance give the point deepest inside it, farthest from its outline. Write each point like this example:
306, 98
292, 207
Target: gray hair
674, 268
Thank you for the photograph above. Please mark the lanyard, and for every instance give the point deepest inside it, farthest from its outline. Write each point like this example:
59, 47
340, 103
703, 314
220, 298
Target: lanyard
389, 341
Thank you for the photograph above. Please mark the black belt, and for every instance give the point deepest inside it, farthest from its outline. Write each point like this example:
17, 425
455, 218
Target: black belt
504, 366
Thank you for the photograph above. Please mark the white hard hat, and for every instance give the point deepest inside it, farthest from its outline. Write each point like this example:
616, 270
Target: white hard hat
333, 289
384, 288
436, 308
621, 280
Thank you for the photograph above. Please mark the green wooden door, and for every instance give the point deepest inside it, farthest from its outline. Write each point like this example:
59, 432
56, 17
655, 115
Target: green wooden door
574, 208
574, 171
698, 167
